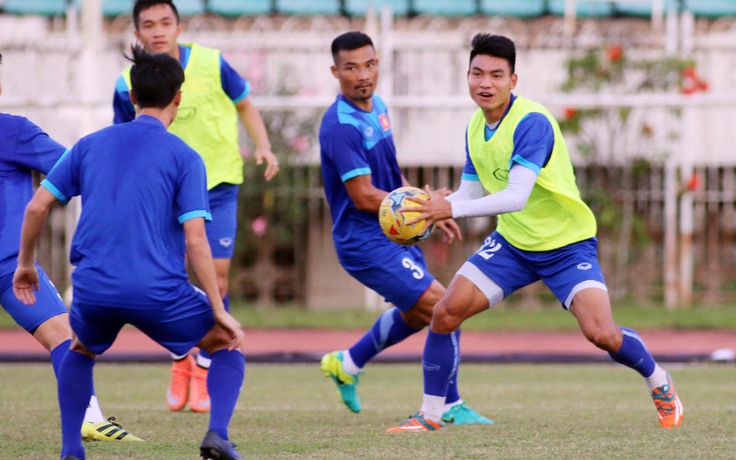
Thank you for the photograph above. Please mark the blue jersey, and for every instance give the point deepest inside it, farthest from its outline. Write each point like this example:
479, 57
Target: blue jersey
138, 184
24, 148
354, 142
235, 86
534, 140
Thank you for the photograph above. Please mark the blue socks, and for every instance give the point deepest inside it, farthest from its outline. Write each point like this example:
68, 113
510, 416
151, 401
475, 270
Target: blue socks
440, 361
224, 381
58, 353
634, 354
74, 390
453, 394
389, 329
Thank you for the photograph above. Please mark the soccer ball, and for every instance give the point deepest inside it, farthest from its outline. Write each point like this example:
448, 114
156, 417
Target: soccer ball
392, 221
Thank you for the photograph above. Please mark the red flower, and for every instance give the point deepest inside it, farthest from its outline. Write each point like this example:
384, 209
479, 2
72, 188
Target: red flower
694, 182
570, 113
615, 53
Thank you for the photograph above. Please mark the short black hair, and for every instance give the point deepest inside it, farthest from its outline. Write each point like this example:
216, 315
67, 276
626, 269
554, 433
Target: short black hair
496, 46
141, 5
349, 41
155, 79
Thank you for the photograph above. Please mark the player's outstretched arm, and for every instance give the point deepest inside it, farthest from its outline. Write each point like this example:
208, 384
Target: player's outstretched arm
364, 195
253, 122
25, 279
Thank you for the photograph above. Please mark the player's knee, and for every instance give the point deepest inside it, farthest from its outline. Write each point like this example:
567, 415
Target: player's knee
605, 338
223, 284
444, 321
418, 316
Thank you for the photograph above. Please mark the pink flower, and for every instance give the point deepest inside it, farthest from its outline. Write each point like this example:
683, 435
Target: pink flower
259, 225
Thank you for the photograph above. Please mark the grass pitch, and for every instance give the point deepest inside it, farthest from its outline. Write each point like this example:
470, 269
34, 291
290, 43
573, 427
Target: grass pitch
292, 411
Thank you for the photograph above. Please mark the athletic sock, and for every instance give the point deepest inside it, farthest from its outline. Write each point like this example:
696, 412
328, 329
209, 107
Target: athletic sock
93, 413
348, 365
389, 329
224, 381
58, 354
453, 393
657, 379
204, 359
634, 354
433, 407
439, 363
74, 392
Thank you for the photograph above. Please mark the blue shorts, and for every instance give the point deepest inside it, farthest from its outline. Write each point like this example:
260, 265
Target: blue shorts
29, 317
178, 326
566, 271
400, 276
224, 225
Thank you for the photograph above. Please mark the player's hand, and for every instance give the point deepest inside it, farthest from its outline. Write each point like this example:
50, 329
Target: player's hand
232, 328
25, 281
434, 210
450, 230
272, 163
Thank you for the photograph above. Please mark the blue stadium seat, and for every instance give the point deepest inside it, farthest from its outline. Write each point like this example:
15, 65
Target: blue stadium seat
308, 7
445, 7
583, 8
37, 7
359, 7
518, 8
643, 9
711, 8
189, 7
112, 8
235, 8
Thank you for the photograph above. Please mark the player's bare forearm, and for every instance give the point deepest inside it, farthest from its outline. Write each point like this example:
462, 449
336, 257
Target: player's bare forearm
253, 122
364, 195
199, 256
25, 278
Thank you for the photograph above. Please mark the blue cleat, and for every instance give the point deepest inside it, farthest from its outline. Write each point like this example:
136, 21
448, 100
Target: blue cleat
213, 447
331, 365
461, 414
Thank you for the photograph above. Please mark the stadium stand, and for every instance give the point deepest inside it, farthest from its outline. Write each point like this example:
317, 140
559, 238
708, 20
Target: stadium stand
711, 8
308, 7
359, 7
237, 8
519, 8
583, 8
35, 7
446, 7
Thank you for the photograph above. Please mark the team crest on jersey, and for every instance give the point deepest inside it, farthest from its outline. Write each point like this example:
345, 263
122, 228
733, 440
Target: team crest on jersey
383, 119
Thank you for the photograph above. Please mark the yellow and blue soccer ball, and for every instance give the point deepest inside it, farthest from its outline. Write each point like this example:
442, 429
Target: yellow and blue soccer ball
393, 222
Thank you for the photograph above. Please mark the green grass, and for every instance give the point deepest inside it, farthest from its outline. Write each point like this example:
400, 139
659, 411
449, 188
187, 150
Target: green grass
291, 411
506, 317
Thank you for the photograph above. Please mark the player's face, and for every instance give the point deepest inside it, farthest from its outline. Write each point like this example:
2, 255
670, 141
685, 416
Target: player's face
158, 29
357, 71
490, 82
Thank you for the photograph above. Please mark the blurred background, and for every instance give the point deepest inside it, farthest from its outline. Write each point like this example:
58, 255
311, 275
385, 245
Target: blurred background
645, 91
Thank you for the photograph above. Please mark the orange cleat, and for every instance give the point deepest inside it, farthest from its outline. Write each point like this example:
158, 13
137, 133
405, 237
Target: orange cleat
416, 422
178, 392
199, 397
669, 408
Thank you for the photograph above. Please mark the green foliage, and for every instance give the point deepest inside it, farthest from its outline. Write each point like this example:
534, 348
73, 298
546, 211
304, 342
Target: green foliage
292, 411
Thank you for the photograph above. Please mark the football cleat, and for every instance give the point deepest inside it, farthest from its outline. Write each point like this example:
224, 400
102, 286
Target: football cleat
416, 423
669, 408
107, 431
331, 365
213, 447
177, 394
199, 397
461, 414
